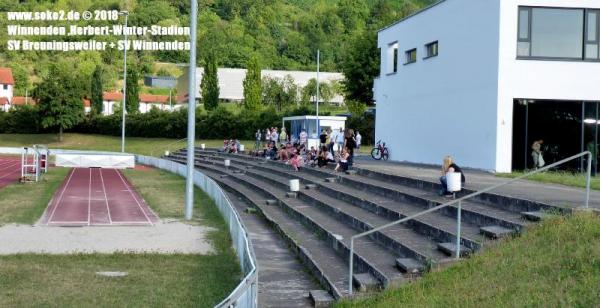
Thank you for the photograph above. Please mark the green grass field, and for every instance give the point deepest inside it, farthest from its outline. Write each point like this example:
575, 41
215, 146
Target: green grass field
558, 177
555, 264
143, 146
154, 280
25, 203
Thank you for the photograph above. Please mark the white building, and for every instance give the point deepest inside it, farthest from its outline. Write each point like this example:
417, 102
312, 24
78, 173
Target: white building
482, 79
231, 81
7, 84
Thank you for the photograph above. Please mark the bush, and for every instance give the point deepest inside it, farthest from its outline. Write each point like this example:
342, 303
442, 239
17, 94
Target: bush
215, 124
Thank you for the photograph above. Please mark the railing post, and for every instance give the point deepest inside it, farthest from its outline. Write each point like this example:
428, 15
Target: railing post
588, 181
351, 266
458, 219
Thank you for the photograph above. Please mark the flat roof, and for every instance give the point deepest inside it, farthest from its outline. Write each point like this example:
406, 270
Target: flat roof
314, 117
411, 15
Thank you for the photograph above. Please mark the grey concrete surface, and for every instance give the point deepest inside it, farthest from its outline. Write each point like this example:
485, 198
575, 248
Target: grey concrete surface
282, 280
167, 238
554, 194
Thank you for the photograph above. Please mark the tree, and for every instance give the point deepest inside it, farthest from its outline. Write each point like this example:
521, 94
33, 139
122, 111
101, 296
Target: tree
252, 85
210, 83
132, 104
97, 91
21, 78
309, 92
59, 96
360, 67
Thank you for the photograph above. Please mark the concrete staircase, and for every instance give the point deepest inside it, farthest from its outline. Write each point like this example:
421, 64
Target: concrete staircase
319, 220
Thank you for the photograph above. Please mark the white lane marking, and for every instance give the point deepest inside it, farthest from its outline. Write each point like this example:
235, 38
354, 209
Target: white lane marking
90, 199
134, 197
105, 197
61, 195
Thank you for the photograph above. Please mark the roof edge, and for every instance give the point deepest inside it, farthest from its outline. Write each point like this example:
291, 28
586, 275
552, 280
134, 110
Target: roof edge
411, 15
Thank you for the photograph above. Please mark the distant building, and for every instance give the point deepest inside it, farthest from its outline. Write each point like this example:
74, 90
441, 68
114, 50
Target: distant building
147, 102
482, 80
231, 82
163, 82
109, 99
7, 84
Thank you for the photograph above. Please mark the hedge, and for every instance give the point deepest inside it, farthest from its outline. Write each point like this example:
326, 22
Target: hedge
217, 124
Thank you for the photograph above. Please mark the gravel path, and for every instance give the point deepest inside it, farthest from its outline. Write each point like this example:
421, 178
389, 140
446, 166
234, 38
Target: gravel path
167, 238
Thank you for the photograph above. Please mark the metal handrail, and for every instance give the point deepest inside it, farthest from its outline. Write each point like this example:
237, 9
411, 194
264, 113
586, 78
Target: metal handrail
471, 195
168, 146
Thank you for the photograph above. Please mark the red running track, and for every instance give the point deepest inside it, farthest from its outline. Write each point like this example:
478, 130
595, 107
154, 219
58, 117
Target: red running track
10, 170
97, 197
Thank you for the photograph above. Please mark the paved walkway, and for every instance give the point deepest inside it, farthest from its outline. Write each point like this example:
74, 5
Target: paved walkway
282, 280
554, 194
167, 238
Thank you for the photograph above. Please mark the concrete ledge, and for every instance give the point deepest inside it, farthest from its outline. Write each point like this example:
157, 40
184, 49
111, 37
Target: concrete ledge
450, 249
409, 265
271, 202
310, 186
536, 216
321, 298
495, 232
365, 282
291, 194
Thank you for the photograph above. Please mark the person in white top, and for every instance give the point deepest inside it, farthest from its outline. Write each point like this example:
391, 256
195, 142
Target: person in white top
274, 135
332, 138
268, 135
358, 139
339, 139
303, 137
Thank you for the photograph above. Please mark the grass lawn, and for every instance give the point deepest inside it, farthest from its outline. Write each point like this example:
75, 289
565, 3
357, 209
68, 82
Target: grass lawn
143, 146
25, 203
153, 280
558, 177
556, 263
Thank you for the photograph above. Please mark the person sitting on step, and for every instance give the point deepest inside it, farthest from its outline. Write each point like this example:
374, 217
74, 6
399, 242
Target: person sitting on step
449, 166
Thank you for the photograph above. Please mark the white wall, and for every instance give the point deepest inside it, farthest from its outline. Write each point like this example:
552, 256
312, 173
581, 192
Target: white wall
444, 105
531, 79
6, 93
108, 107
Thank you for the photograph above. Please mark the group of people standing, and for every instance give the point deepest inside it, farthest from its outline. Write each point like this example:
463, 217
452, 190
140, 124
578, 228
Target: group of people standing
335, 146
344, 142
270, 135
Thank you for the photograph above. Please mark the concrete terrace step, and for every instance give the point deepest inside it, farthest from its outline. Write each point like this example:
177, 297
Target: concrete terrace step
329, 268
474, 212
369, 256
510, 203
401, 239
434, 225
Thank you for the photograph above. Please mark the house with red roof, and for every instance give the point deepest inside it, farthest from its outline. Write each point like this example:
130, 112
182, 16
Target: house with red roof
109, 99
7, 84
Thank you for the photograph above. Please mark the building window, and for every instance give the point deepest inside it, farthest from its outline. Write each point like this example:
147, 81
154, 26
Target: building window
558, 33
592, 34
431, 49
411, 56
392, 58
5, 86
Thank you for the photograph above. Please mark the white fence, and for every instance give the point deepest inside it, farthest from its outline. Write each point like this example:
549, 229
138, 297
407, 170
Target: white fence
245, 294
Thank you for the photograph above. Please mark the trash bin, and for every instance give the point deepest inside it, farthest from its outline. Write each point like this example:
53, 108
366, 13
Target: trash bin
453, 181
295, 185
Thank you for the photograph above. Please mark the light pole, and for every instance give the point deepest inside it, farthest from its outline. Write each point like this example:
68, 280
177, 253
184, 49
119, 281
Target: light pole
318, 71
126, 14
189, 183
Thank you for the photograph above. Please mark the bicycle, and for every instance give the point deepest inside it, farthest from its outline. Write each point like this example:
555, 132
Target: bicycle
380, 151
